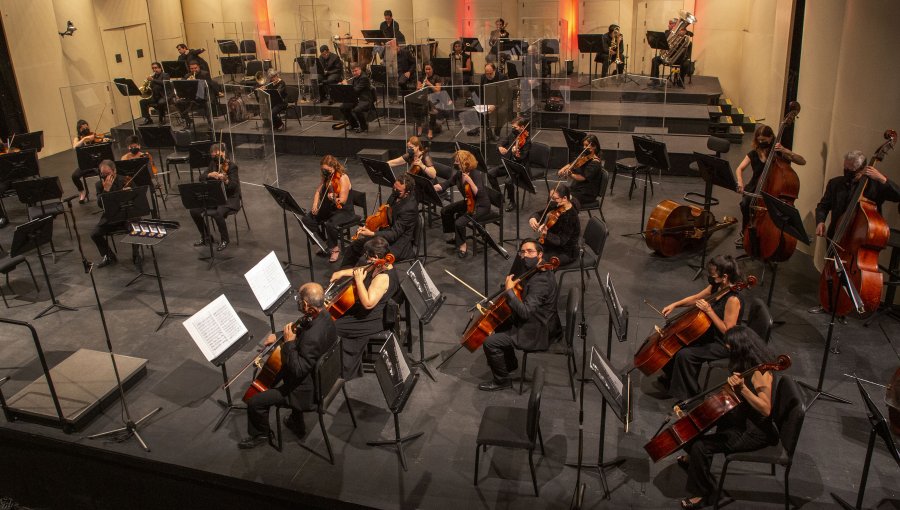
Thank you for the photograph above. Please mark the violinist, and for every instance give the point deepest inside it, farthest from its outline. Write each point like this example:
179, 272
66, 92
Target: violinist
430, 114
226, 171
475, 202
417, 159
533, 324
558, 226
839, 192
516, 148
586, 172
135, 152
746, 428
680, 375
756, 160
403, 215
327, 211
109, 181
300, 352
86, 136
366, 318
158, 98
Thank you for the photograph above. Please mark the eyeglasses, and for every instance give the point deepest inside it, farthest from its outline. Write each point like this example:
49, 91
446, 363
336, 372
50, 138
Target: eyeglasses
528, 252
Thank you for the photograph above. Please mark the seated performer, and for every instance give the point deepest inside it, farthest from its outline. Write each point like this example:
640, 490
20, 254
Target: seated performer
276, 86
460, 67
333, 69
756, 160
190, 55
407, 68
220, 169
839, 192
327, 211
109, 182
681, 373
416, 158
300, 352
430, 113
86, 136
158, 99
403, 216
366, 318
355, 114
512, 149
586, 176
608, 54
658, 60
533, 324
209, 92
491, 76
497, 34
746, 428
560, 239
475, 202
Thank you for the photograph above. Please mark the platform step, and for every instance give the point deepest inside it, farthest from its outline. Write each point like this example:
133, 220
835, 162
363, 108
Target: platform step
725, 103
737, 116
735, 134
749, 124
714, 112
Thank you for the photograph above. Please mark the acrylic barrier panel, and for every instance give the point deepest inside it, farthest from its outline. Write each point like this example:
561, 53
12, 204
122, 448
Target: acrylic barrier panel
94, 103
205, 36
435, 110
307, 78
499, 103
249, 132
455, 65
193, 105
421, 31
477, 37
545, 103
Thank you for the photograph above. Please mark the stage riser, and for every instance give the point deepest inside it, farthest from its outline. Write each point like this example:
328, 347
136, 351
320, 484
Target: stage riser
671, 96
556, 120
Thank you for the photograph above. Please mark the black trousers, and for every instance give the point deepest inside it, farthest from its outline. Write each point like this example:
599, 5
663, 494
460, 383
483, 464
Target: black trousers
356, 114
258, 410
654, 66
745, 210
79, 175
276, 120
700, 480
500, 352
605, 62
353, 251
157, 102
684, 369
326, 222
500, 172
98, 235
331, 79
453, 219
218, 214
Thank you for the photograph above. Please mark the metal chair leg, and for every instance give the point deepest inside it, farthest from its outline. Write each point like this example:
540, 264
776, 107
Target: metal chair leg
476, 464
325, 434
533, 474
347, 401
721, 485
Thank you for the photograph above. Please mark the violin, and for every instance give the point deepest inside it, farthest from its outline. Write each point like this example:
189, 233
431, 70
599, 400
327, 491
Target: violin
340, 296
336, 189
377, 220
579, 161
470, 199
680, 331
860, 236
673, 228
499, 311
552, 218
520, 141
716, 403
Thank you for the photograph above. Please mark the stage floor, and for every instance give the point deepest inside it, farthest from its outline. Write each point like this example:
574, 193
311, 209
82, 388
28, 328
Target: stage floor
441, 462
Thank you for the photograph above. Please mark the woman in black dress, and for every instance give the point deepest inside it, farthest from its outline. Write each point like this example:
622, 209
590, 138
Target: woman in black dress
454, 216
588, 175
561, 239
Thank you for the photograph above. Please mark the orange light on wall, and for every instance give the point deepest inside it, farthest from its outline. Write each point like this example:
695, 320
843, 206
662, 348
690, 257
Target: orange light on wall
569, 10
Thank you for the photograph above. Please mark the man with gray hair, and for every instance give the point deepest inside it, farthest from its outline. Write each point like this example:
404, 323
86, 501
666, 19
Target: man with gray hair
109, 182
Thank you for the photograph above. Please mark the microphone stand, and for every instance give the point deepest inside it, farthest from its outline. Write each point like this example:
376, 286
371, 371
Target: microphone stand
578, 495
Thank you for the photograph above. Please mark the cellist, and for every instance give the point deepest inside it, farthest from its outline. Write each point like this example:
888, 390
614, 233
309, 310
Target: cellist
533, 324
839, 192
301, 350
680, 374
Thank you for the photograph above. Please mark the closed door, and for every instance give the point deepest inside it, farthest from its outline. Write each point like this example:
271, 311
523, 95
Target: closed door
128, 55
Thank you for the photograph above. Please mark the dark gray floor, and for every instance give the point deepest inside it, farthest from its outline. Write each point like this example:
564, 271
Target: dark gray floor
829, 458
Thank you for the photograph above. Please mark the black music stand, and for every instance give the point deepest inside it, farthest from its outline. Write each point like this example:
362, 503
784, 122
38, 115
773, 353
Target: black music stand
16, 166
590, 44
286, 202
187, 90
476, 151
520, 179
426, 196
28, 141
174, 68
90, 156
488, 241
30, 236
788, 221
878, 427
312, 237
574, 141
650, 155
232, 65
275, 44
441, 66
658, 42
380, 173
397, 382
138, 169
471, 45
140, 236
343, 94
199, 157
158, 138
204, 195
373, 36
425, 299
714, 171
128, 89
38, 190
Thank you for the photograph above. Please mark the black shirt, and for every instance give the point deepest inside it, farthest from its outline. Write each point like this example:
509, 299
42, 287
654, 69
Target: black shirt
194, 56
535, 319
332, 65
587, 190
839, 192
757, 165
563, 236
482, 198
390, 31
299, 358
363, 88
232, 187
511, 139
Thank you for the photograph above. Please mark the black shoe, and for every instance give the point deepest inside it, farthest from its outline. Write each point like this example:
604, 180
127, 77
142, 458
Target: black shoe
222, 246
510, 207
360, 130
687, 504
202, 242
461, 253
4, 221
330, 102
295, 426
253, 441
107, 260
147, 121
816, 309
495, 385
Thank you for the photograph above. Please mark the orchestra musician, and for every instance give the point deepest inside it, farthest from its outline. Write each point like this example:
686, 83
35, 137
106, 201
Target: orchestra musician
276, 86
839, 192
390, 29
491, 75
190, 55
533, 324
85, 136
429, 114
516, 148
110, 181
560, 239
366, 318
300, 352
454, 217
210, 91
226, 171
158, 98
416, 155
586, 172
400, 233
748, 427
333, 69
680, 375
756, 160
658, 60
407, 68
609, 54
327, 211
135, 152
355, 114
497, 34
460, 67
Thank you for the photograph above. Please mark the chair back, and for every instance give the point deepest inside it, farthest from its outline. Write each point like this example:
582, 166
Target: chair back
595, 234
417, 234
496, 199
789, 412
604, 184
182, 139
358, 199
539, 155
534, 404
759, 319
718, 145
327, 379
572, 304
293, 94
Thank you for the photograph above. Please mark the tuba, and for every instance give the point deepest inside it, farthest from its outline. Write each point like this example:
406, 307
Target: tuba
678, 44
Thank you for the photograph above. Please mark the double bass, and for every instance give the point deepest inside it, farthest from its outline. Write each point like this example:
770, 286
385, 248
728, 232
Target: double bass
860, 236
673, 228
764, 239
680, 331
716, 403
340, 296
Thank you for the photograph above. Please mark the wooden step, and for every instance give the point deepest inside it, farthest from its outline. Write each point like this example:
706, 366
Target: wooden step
725, 103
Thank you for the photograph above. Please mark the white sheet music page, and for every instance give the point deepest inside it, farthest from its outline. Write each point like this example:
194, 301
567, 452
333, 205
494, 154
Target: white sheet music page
215, 328
268, 281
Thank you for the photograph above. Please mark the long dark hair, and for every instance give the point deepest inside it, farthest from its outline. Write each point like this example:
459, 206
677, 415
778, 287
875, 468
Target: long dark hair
726, 266
747, 349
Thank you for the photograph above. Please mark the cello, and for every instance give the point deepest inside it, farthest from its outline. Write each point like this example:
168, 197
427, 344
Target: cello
340, 296
762, 238
680, 331
860, 236
717, 402
673, 228
498, 312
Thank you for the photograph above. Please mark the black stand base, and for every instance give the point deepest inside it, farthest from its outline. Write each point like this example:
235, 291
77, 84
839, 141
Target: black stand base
601, 470
423, 364
227, 404
55, 306
397, 441
817, 392
128, 431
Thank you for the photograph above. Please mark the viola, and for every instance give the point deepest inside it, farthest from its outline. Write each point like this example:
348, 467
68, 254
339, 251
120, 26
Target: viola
336, 189
378, 220
470, 199
860, 236
520, 142
680, 331
267, 376
762, 237
340, 296
552, 218
674, 228
499, 311
717, 403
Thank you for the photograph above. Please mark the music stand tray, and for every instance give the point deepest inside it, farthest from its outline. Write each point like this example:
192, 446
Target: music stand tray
227, 46
657, 40
205, 196
274, 43
590, 43
471, 45
787, 217
343, 93
156, 137
374, 36
425, 193
126, 87
33, 191
651, 153
716, 170
174, 68
28, 141
286, 202
32, 235
18, 165
124, 205
90, 156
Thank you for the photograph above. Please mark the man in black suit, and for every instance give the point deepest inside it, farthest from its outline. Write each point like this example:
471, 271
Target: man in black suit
333, 69
400, 234
158, 99
300, 352
355, 114
220, 169
210, 92
109, 182
190, 55
277, 90
496, 99
390, 29
606, 56
533, 324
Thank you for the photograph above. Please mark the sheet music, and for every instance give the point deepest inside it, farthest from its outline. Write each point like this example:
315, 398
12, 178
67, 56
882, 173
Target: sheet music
215, 327
605, 374
427, 289
611, 290
267, 281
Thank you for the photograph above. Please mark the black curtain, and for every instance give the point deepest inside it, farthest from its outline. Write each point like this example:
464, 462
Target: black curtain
12, 119
793, 73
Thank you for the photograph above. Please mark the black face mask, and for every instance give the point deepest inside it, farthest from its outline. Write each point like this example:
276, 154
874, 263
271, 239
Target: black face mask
530, 263
765, 145
712, 281
410, 152
134, 150
325, 173
84, 131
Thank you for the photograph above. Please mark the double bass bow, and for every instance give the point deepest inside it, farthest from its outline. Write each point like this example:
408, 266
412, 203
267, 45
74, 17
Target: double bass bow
340, 296
762, 238
860, 236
